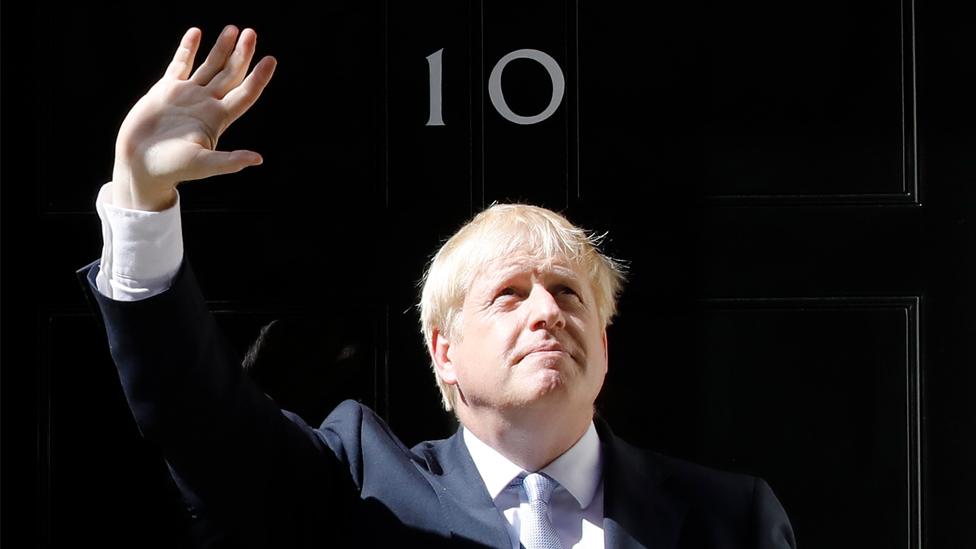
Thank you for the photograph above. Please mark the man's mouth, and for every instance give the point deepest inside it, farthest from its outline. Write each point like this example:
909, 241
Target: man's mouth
547, 348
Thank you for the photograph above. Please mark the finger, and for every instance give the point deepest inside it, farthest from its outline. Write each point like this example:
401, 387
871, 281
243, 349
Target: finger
210, 163
240, 99
236, 66
222, 48
182, 62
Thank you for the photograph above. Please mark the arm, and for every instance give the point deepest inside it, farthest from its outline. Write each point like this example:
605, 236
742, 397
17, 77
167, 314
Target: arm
169, 136
259, 475
255, 471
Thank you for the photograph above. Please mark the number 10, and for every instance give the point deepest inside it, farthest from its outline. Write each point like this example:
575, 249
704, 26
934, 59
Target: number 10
495, 86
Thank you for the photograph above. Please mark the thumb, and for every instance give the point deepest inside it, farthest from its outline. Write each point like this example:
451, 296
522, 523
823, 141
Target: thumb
210, 163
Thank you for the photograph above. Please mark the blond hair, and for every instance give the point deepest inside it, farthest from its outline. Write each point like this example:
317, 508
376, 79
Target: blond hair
501, 231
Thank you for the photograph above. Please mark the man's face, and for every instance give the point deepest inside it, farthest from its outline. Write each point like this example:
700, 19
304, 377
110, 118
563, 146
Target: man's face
530, 335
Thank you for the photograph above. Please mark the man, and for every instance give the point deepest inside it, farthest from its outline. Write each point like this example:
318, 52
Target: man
514, 312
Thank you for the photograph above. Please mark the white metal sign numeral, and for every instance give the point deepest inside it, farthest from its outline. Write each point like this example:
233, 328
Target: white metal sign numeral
495, 93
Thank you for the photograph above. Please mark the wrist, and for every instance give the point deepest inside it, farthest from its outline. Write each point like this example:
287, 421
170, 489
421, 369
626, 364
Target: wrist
130, 193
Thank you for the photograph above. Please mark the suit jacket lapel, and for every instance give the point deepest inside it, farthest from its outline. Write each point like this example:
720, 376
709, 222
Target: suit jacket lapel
638, 508
471, 513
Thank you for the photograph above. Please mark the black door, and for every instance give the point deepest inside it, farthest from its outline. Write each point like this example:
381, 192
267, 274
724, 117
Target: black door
790, 183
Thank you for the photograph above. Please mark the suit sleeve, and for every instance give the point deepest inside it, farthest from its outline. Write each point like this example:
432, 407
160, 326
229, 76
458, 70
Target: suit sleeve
773, 529
259, 474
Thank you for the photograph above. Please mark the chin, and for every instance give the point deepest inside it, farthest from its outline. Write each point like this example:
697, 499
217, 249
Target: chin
547, 382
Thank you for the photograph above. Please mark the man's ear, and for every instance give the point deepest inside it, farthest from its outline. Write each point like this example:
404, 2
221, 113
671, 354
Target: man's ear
440, 351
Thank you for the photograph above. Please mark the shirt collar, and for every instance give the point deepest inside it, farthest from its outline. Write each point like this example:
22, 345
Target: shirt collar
578, 469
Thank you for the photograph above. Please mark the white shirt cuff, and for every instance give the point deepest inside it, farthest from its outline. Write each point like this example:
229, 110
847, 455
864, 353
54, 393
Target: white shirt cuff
141, 251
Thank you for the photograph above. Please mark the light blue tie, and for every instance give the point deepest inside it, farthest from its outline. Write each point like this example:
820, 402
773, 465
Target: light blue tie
537, 529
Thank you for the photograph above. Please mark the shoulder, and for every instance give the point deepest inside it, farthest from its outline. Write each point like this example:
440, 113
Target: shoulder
361, 439
697, 478
728, 504
685, 476
355, 427
383, 470
710, 490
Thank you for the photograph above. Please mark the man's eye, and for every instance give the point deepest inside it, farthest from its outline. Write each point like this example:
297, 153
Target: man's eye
566, 290
504, 292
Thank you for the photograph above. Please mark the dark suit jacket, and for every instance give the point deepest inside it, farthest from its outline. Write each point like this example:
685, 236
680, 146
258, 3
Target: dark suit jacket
263, 478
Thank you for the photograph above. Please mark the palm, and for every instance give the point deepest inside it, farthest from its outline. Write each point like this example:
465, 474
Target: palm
171, 133
168, 128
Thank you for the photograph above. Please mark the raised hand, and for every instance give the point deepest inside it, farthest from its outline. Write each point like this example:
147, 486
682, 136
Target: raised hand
171, 133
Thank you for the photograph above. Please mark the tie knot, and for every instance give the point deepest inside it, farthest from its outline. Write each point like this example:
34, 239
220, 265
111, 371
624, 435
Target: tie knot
538, 487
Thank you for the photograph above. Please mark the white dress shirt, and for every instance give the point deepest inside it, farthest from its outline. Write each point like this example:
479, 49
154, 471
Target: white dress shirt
576, 507
141, 254
141, 251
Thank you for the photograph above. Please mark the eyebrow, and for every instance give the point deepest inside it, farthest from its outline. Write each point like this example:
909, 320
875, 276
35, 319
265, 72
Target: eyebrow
512, 271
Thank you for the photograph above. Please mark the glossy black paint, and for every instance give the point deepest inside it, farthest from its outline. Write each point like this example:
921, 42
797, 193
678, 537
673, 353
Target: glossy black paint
792, 185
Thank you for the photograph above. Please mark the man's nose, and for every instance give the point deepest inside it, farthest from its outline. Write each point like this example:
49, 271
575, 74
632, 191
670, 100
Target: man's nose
545, 311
